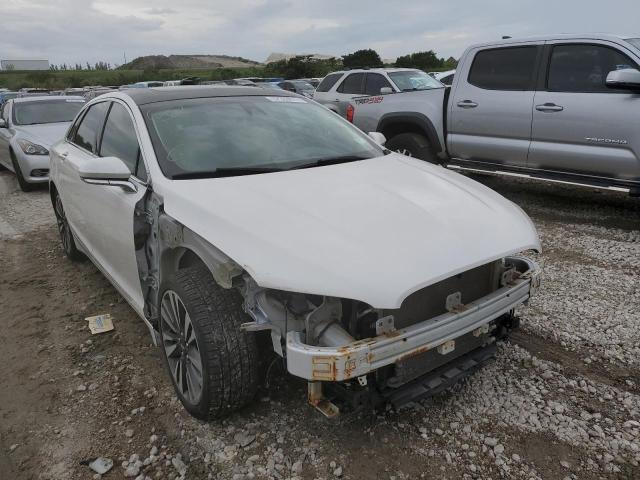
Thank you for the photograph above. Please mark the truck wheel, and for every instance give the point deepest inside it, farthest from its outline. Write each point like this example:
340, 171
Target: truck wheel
412, 145
213, 364
24, 185
66, 236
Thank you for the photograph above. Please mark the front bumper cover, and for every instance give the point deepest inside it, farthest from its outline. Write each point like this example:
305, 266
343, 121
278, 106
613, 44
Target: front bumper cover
358, 358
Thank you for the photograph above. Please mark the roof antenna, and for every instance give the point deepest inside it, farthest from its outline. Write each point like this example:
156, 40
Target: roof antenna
505, 37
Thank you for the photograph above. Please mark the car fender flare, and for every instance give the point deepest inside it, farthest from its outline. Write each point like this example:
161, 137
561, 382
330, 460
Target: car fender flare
418, 119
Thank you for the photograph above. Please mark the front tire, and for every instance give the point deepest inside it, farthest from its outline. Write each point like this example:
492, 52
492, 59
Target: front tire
24, 185
412, 145
64, 229
213, 364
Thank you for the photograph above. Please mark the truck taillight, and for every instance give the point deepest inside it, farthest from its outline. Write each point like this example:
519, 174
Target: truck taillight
350, 113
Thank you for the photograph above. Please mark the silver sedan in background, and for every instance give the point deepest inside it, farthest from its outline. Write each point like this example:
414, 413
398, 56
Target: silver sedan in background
28, 127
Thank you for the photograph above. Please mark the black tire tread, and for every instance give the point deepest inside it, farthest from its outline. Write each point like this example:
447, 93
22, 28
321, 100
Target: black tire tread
230, 354
73, 254
24, 185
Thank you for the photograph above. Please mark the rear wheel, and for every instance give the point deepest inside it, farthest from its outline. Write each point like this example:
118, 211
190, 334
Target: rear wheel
412, 145
64, 229
213, 364
24, 185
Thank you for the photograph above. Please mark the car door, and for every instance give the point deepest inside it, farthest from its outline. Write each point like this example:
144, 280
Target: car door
5, 135
580, 125
324, 93
490, 105
352, 86
108, 210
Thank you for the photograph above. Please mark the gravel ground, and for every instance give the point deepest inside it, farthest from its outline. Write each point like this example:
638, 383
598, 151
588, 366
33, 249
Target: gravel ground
561, 400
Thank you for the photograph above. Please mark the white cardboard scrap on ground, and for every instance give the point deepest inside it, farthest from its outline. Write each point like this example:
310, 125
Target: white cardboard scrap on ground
100, 323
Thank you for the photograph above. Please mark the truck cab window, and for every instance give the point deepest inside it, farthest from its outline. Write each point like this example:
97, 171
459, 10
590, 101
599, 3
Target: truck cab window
584, 68
510, 68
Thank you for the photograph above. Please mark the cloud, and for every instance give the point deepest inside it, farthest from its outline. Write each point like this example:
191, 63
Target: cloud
160, 11
77, 31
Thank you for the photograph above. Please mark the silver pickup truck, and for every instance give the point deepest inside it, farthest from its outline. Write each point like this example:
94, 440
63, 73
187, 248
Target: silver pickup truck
564, 108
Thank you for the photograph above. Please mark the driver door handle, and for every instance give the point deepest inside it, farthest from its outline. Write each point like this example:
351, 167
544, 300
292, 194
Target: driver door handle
549, 107
467, 104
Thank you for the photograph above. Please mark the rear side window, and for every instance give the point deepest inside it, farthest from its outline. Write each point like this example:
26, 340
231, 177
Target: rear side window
86, 136
374, 83
352, 84
584, 68
328, 82
510, 68
119, 138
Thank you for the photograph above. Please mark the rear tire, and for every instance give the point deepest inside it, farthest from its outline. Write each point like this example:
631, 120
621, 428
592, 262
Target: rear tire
24, 185
213, 364
412, 145
64, 229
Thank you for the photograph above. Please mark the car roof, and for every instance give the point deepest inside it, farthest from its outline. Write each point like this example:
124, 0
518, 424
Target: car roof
376, 70
145, 96
47, 97
559, 36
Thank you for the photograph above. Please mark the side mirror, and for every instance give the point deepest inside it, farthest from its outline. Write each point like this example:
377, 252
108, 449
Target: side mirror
378, 137
626, 78
3, 123
386, 90
107, 171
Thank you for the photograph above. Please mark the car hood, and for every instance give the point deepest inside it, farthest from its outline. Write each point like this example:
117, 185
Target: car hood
373, 230
45, 134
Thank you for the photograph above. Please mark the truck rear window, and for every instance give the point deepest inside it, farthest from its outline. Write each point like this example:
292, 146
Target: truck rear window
511, 68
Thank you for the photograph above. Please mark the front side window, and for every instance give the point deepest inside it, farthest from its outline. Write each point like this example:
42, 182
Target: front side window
374, 83
511, 68
352, 84
46, 111
584, 68
86, 136
412, 80
222, 136
119, 138
328, 82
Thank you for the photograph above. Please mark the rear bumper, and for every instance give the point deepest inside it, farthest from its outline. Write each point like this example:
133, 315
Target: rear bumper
364, 356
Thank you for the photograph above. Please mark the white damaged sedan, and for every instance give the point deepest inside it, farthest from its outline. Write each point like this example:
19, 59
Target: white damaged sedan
227, 216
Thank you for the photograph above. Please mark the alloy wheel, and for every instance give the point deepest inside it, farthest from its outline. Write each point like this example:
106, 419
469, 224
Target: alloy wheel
181, 347
404, 151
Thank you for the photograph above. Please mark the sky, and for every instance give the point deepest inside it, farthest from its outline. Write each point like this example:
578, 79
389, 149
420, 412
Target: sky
70, 31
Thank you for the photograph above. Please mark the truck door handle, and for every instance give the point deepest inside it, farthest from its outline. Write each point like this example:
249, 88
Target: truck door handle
549, 107
467, 104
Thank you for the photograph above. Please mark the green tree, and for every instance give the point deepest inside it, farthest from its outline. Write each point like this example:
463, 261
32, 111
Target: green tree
362, 58
423, 60
304, 66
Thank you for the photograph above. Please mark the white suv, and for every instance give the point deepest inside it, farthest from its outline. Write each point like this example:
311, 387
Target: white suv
343, 86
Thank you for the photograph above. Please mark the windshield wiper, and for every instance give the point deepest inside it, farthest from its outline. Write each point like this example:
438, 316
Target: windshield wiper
224, 172
330, 161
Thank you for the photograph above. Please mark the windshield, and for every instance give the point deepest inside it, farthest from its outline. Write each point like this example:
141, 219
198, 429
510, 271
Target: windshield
634, 41
409, 80
54, 111
200, 136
